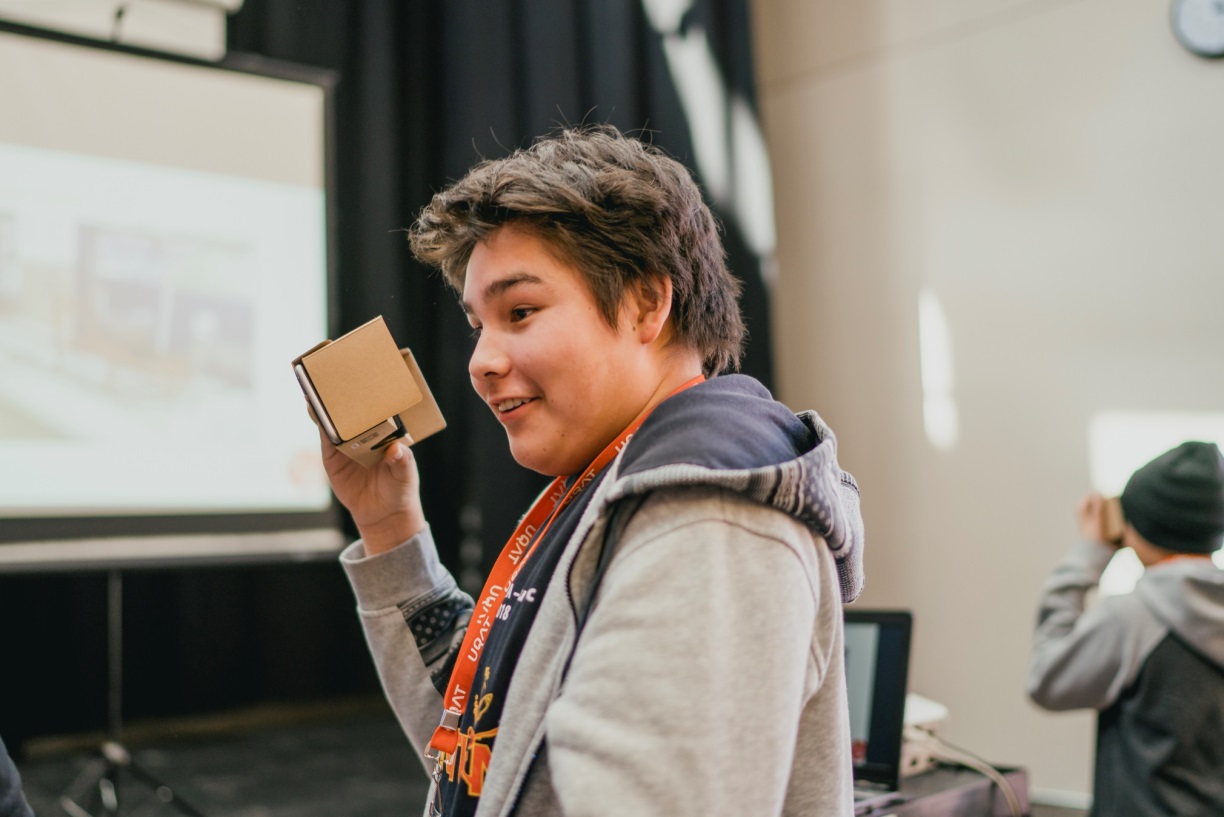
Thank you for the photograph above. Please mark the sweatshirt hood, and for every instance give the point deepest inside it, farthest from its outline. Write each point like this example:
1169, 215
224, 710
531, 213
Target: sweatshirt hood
729, 432
1187, 595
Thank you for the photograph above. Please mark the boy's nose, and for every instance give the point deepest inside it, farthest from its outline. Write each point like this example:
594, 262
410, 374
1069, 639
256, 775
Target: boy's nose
488, 359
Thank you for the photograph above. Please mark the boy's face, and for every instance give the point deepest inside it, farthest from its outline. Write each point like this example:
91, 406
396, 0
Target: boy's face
562, 382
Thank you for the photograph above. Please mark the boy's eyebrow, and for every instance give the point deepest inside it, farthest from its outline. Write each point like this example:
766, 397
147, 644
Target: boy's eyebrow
501, 285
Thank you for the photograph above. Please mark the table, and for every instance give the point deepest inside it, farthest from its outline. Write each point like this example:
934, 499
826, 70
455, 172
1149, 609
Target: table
950, 791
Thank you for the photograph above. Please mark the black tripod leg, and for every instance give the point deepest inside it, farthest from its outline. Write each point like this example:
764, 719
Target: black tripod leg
96, 780
163, 791
108, 788
121, 759
83, 785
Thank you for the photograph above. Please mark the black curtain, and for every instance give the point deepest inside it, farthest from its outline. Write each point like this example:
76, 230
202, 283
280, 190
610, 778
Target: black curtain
425, 90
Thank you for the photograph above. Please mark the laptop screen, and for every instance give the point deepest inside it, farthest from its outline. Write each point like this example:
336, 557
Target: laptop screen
877, 670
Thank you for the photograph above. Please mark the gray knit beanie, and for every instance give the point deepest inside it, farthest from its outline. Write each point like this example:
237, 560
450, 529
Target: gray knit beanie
1176, 501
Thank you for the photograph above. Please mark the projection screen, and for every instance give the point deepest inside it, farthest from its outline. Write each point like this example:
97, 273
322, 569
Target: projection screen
164, 254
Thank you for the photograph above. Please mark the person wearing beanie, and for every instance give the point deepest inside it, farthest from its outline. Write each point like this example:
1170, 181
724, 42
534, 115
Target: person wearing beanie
1151, 662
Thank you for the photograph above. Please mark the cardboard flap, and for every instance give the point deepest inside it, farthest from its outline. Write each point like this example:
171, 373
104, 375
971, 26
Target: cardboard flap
311, 351
425, 418
361, 379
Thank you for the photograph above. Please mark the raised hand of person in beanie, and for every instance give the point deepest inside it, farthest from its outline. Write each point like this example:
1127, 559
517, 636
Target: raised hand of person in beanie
1091, 515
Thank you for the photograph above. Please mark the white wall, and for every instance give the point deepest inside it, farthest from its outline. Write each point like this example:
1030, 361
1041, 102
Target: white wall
1050, 170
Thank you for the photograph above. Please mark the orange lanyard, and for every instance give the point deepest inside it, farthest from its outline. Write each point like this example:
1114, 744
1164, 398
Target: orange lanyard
513, 556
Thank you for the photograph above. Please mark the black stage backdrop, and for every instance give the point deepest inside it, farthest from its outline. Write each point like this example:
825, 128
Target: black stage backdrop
425, 90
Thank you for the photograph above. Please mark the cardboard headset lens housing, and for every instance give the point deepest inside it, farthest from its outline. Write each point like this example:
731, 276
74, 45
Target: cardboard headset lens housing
1112, 522
366, 393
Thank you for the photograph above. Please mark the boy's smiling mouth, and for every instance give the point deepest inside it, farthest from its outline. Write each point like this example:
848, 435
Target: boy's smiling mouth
509, 405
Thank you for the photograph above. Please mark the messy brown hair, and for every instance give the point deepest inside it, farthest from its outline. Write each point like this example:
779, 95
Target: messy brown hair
620, 211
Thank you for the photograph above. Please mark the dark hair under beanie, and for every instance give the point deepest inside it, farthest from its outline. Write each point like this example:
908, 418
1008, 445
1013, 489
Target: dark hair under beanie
1176, 501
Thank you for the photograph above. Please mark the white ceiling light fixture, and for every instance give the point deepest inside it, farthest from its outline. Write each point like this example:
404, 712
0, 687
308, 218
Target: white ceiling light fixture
189, 28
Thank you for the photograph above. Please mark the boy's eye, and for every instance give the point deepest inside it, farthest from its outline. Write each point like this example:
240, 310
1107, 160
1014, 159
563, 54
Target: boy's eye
520, 313
476, 331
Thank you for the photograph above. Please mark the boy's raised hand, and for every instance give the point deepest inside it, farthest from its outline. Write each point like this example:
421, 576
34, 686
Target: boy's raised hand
384, 499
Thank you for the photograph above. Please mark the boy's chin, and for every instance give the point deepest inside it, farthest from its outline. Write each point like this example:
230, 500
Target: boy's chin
533, 459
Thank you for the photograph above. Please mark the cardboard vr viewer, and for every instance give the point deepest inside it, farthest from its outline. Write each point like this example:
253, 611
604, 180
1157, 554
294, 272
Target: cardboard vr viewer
366, 393
1112, 521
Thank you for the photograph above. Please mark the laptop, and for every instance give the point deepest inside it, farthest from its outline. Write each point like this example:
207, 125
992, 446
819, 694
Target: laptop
877, 672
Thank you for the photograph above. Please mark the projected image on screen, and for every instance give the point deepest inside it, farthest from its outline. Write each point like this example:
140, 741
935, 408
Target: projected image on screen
159, 269
141, 321
167, 310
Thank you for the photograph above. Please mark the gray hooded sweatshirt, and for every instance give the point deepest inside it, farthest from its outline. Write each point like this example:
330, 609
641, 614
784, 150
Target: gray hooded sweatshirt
709, 676
1152, 662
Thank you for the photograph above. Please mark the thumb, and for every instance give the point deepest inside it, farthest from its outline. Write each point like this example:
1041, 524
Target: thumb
399, 461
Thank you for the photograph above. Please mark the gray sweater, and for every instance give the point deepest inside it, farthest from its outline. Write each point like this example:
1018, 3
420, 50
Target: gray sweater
709, 678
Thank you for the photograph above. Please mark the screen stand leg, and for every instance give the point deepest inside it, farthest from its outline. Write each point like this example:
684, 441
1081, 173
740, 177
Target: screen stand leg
99, 782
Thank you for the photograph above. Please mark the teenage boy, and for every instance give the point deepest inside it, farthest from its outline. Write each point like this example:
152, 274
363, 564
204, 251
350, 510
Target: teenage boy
1151, 661
662, 634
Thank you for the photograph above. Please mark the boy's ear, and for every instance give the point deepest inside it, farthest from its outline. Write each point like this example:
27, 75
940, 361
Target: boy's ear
651, 303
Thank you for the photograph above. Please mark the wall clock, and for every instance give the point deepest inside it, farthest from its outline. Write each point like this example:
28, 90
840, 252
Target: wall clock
1199, 26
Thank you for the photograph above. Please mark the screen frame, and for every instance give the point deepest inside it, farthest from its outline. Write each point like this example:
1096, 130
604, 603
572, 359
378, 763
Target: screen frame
78, 542
883, 765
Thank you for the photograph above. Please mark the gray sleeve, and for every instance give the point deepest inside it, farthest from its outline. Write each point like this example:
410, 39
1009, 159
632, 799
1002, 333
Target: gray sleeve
1085, 659
414, 616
